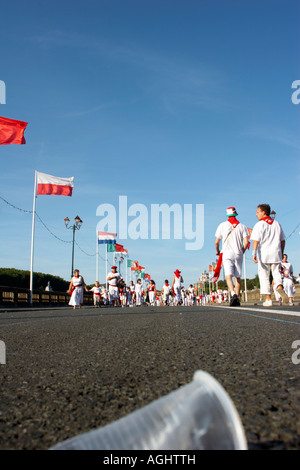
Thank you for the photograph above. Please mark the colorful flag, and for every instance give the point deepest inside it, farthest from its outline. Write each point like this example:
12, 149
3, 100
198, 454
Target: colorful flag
129, 263
217, 270
134, 265
106, 237
48, 185
12, 131
120, 248
111, 247
210, 268
147, 276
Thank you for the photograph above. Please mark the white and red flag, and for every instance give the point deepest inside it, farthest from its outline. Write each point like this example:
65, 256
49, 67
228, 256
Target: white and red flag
48, 184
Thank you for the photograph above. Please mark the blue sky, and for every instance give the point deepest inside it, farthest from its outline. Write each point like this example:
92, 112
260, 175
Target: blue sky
164, 102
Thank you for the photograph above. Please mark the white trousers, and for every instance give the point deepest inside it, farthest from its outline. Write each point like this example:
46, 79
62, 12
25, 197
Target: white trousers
264, 276
152, 297
177, 291
138, 297
288, 287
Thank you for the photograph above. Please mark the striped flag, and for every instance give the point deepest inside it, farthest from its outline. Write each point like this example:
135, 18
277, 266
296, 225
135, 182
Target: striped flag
48, 185
106, 237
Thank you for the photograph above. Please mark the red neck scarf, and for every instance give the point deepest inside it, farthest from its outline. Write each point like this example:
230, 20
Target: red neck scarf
233, 221
268, 219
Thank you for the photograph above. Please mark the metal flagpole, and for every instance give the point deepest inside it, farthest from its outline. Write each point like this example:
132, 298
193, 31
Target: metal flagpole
32, 241
97, 257
246, 296
106, 267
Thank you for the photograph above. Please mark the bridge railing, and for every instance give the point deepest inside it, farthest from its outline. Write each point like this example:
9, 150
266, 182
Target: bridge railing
18, 296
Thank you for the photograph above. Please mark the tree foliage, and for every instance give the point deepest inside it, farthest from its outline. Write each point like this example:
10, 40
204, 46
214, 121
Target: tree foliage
12, 277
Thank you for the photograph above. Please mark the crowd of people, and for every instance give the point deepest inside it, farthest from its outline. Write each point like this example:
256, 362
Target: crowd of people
136, 294
268, 253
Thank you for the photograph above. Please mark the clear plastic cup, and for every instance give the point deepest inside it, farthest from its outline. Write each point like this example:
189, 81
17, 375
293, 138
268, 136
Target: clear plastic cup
197, 416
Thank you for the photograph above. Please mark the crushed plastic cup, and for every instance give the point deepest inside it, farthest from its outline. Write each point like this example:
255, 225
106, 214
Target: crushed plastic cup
197, 416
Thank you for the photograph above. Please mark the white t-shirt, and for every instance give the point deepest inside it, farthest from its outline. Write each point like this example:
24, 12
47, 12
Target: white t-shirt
287, 270
166, 289
138, 288
234, 243
269, 237
96, 290
113, 282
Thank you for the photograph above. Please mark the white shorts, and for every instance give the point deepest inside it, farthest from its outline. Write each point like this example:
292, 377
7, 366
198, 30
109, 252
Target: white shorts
233, 265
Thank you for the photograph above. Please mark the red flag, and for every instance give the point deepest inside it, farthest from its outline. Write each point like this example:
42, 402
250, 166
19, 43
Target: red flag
120, 248
218, 268
12, 131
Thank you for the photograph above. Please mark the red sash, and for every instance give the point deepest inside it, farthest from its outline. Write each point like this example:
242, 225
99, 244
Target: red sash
74, 287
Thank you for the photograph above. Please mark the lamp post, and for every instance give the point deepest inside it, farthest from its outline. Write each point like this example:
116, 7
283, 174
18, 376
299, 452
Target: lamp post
76, 226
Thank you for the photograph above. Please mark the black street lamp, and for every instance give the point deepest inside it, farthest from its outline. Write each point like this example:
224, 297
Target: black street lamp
76, 226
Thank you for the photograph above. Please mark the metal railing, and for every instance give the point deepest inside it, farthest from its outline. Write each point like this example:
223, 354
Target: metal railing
18, 296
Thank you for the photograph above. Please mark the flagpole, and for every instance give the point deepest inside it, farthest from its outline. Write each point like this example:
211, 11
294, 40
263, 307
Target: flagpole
106, 267
97, 258
246, 296
32, 242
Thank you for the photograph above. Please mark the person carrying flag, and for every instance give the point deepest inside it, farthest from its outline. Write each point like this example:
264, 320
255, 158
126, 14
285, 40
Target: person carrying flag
234, 236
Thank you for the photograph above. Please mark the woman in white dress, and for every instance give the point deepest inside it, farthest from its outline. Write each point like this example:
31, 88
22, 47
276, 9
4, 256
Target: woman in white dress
76, 287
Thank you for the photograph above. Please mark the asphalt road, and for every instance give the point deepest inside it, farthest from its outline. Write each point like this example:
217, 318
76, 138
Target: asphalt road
68, 372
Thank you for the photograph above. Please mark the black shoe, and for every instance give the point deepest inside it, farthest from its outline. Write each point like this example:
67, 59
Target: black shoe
234, 301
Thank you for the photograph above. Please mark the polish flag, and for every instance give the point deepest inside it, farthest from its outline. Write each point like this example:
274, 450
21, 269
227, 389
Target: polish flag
12, 131
48, 184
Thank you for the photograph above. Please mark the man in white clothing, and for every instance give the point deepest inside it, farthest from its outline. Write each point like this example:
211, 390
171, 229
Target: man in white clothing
268, 245
138, 292
234, 236
288, 282
165, 292
113, 278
